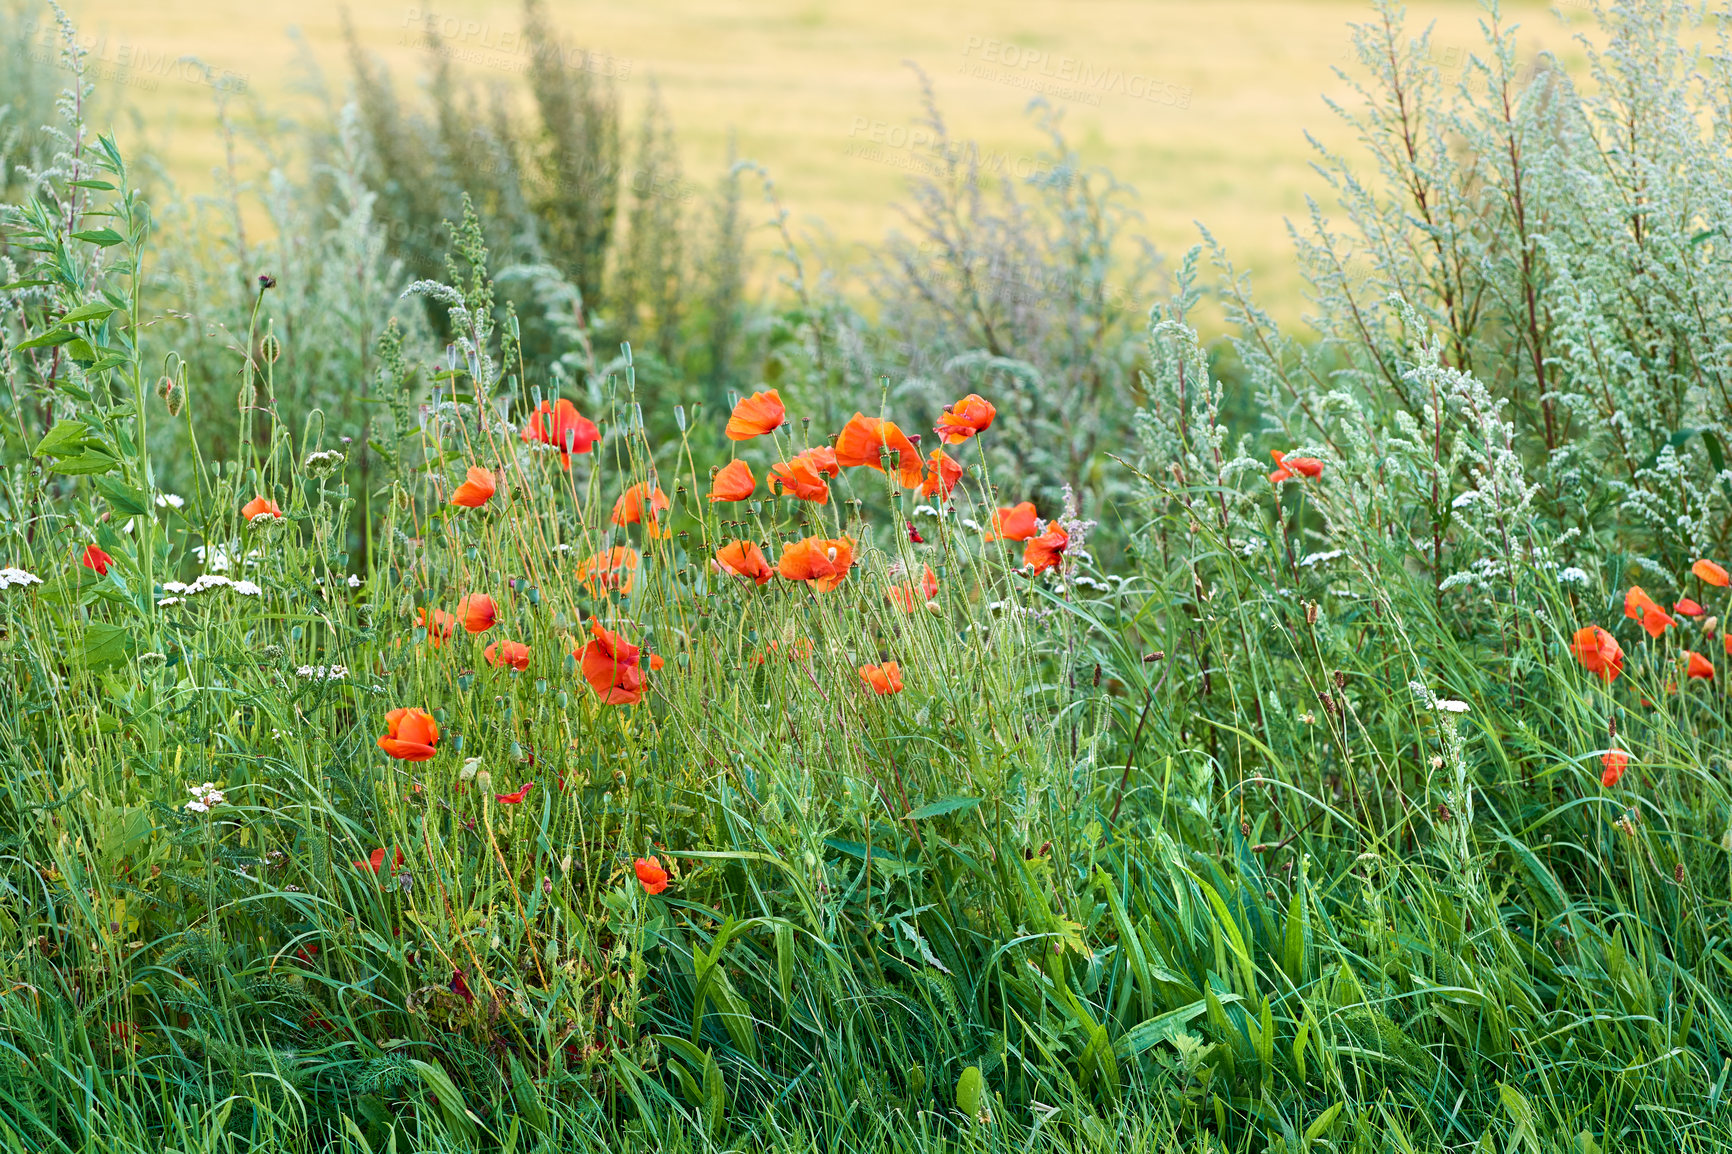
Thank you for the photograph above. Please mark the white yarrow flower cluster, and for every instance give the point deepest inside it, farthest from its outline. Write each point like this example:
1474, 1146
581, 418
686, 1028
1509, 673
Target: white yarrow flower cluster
1572, 576
10, 577
322, 672
170, 501
204, 797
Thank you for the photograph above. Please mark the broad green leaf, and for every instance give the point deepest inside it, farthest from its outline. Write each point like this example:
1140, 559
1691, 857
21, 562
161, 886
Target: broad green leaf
86, 463
970, 1091
127, 501
104, 237
47, 339
97, 310
105, 645
942, 806
66, 437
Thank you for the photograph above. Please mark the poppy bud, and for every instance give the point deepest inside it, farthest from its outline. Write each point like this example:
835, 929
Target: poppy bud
484, 781
1710, 625
267, 281
271, 348
175, 399
164, 387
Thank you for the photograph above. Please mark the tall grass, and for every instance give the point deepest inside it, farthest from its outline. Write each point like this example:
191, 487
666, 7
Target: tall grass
1275, 815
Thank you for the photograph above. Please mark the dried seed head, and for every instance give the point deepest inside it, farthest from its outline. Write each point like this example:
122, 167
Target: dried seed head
1310, 612
1678, 874
1340, 679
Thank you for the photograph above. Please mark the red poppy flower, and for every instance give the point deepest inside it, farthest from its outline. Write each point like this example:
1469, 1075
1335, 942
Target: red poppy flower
478, 612
512, 653
630, 508
1047, 550
733, 483
460, 987
1695, 665
309, 952
884, 679
1641, 607
1599, 652
562, 426
823, 460
440, 626
908, 596
374, 863
1687, 608
410, 734
650, 874
744, 559
972, 414
612, 666
822, 562
1016, 523
863, 441
756, 415
260, 507
616, 569
1711, 573
477, 490
942, 477
914, 534
1288, 467
95, 558
514, 798
801, 479
1614, 763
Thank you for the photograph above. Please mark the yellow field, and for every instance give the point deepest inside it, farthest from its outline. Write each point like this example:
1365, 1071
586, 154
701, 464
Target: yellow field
1201, 106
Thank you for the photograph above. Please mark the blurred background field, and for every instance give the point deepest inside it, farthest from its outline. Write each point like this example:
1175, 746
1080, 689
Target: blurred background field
1203, 108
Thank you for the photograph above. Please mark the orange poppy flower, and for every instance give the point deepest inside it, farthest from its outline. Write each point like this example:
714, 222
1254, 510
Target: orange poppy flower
863, 441
972, 414
410, 734
512, 653
616, 569
477, 490
1728, 643
884, 679
650, 873
629, 509
562, 426
96, 558
908, 596
440, 626
820, 561
1047, 550
1695, 665
374, 863
822, 459
1599, 652
260, 507
1711, 573
1687, 608
756, 415
800, 478
744, 559
1613, 763
1640, 607
1288, 467
478, 612
733, 483
612, 666
514, 798
1017, 523
942, 477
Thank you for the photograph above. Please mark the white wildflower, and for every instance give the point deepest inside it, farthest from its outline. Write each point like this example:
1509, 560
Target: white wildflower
205, 797
354, 581
208, 581
9, 577
170, 501
1572, 576
1313, 559
246, 589
165, 602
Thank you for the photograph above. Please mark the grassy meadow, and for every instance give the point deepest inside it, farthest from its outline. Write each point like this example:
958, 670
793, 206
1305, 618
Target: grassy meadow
1203, 108
508, 644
